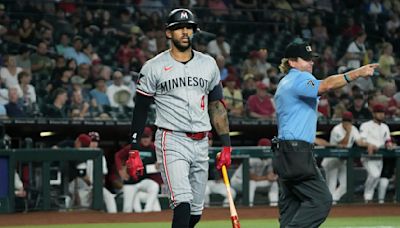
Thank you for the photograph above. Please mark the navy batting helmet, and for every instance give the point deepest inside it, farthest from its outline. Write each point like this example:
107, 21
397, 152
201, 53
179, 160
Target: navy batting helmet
179, 17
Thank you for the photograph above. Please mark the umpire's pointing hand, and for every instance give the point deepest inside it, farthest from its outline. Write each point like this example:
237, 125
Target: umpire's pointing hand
367, 70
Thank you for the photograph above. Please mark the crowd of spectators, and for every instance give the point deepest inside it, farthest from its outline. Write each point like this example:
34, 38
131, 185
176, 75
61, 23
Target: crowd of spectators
79, 59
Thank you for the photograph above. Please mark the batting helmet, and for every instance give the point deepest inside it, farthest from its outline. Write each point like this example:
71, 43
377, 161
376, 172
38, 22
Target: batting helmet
179, 17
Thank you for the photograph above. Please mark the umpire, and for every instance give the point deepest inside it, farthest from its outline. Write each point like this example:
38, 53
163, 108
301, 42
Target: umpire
304, 199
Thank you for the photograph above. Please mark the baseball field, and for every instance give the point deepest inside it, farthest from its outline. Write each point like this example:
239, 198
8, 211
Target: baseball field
342, 216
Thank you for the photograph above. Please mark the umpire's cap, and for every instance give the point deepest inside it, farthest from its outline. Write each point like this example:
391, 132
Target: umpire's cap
300, 49
181, 17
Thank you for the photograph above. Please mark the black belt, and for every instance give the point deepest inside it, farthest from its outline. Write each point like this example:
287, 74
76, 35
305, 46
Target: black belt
294, 143
192, 135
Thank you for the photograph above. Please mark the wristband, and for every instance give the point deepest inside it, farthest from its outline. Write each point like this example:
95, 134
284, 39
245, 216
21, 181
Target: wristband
346, 77
225, 140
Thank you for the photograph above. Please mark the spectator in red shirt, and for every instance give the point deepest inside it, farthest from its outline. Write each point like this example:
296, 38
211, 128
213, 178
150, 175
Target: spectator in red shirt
260, 105
125, 53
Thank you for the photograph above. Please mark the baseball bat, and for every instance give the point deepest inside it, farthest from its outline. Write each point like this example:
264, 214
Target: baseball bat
232, 208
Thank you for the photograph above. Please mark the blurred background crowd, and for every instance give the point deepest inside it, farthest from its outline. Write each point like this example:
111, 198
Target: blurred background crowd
79, 59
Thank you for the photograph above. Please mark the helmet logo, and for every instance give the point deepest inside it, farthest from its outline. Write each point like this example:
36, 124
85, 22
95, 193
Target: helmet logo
308, 48
184, 15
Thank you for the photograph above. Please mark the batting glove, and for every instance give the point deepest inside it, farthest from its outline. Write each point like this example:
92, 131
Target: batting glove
134, 164
224, 157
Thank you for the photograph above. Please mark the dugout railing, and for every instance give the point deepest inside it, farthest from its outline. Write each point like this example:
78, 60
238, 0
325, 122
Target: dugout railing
244, 153
45, 157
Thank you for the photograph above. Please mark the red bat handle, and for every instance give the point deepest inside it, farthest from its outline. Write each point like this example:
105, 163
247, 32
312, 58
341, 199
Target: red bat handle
235, 221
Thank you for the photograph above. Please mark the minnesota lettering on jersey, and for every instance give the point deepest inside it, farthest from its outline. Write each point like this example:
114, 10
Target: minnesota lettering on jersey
183, 82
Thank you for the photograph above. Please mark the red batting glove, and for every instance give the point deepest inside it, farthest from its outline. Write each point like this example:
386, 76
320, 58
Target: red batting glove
134, 164
224, 157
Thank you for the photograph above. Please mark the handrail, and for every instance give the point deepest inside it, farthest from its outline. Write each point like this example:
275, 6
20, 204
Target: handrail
46, 156
346, 153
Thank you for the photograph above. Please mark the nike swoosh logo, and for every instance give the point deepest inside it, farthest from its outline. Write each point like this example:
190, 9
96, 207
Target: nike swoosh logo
167, 68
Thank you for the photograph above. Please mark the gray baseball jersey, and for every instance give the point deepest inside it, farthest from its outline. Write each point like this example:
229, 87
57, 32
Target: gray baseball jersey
180, 90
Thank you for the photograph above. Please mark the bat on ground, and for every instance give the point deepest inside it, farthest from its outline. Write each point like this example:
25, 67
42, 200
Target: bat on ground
232, 208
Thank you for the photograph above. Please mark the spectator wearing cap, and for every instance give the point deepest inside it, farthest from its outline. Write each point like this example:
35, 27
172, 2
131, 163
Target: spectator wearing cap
75, 52
261, 105
377, 134
249, 86
77, 84
145, 189
118, 93
219, 46
108, 197
261, 175
343, 135
358, 108
233, 97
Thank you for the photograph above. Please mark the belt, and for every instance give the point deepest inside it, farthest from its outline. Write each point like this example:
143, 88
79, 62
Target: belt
296, 143
194, 136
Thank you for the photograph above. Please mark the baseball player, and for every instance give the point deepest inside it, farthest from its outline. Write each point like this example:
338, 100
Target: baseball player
342, 135
134, 187
305, 200
185, 86
108, 197
377, 134
84, 183
261, 175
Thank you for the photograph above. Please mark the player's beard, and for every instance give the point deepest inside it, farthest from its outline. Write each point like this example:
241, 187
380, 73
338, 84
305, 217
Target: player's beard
181, 47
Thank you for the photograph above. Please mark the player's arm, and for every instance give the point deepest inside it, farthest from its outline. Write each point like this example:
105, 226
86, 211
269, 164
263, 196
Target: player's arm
340, 80
134, 164
139, 117
219, 115
119, 159
219, 119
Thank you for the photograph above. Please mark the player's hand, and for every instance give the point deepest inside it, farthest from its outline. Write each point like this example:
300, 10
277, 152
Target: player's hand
134, 164
271, 176
347, 126
224, 157
371, 149
123, 174
389, 146
367, 70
